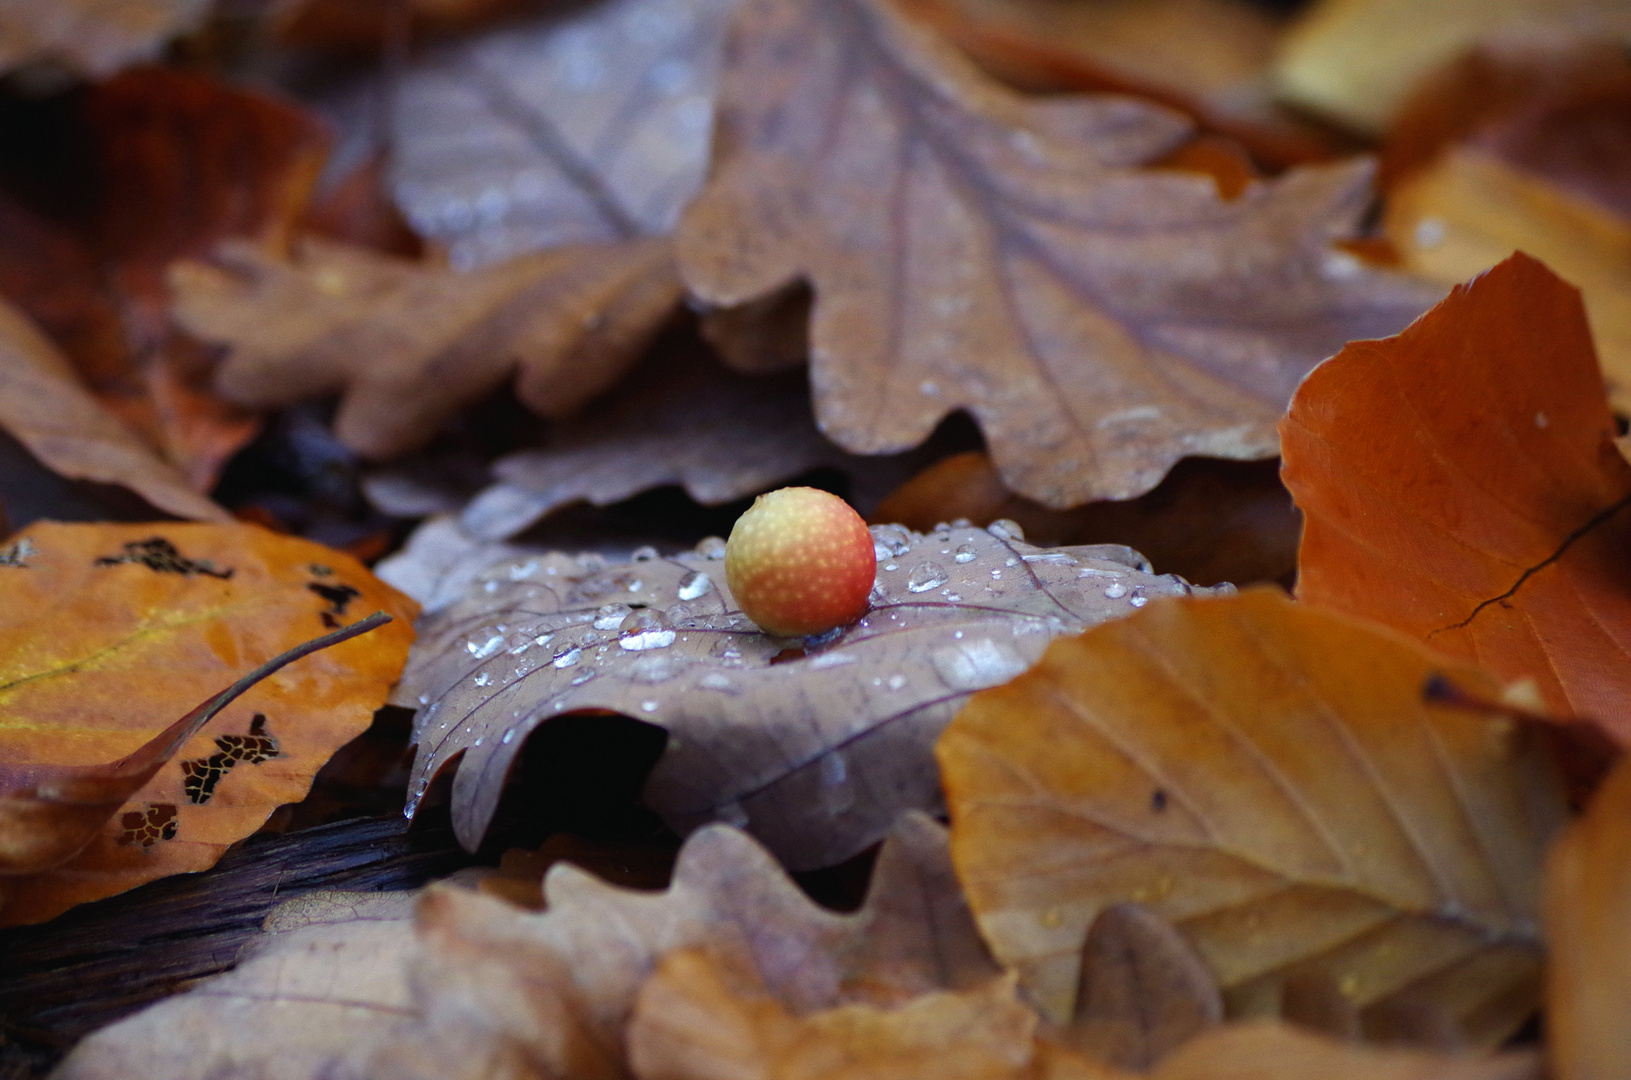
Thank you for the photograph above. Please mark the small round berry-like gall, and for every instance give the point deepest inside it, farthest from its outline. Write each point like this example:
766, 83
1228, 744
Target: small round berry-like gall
800, 562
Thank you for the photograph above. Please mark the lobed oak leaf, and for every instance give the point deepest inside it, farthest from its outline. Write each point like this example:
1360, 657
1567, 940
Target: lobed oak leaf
45, 406
970, 248
813, 747
1588, 917
93, 37
1460, 482
1245, 763
409, 345
585, 126
110, 631
683, 419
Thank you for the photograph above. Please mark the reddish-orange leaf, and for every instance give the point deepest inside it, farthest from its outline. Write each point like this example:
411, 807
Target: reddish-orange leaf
109, 632
1460, 482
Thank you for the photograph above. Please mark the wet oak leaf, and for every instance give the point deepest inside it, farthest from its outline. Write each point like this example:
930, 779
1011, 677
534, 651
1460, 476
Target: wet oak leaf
408, 345
1460, 482
586, 126
1246, 762
111, 631
1588, 920
682, 419
815, 750
47, 408
971, 248
93, 37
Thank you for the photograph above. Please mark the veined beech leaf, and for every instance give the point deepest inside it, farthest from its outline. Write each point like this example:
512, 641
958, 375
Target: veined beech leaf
813, 747
1269, 778
972, 248
408, 345
108, 632
1460, 482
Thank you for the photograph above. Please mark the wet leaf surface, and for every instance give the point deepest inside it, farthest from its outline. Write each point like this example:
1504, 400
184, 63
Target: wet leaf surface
1267, 777
1105, 320
408, 345
112, 631
584, 127
1460, 482
812, 747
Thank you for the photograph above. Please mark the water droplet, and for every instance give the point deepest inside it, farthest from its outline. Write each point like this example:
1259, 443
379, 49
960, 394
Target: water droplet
509, 737
694, 584
522, 571
611, 616
636, 585
424, 699
483, 679
926, 576
485, 647
951, 597
543, 639
584, 676
892, 566
975, 665
646, 639
831, 660
894, 539
644, 553
491, 586
1004, 529
591, 560
1139, 601
567, 659
896, 682
715, 681
648, 706
711, 547
479, 740
965, 554
1051, 558
995, 574
1115, 590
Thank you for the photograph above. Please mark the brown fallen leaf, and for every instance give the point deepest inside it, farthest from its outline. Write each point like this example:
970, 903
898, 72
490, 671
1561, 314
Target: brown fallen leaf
409, 344
322, 987
584, 126
1208, 521
110, 631
1267, 777
1588, 917
971, 248
692, 1023
152, 165
683, 419
48, 813
93, 37
1540, 168
439, 562
1269, 1051
813, 747
1357, 60
1488, 522
45, 406
498, 986
1143, 991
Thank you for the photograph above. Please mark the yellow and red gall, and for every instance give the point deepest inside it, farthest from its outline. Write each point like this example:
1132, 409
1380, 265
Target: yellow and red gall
800, 562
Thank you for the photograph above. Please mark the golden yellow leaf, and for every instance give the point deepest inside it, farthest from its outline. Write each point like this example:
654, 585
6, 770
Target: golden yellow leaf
1268, 778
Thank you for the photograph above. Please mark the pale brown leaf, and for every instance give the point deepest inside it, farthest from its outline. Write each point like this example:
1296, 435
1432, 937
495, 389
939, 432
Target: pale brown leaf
971, 248
815, 754
44, 405
585, 126
94, 37
1588, 925
1269, 778
409, 345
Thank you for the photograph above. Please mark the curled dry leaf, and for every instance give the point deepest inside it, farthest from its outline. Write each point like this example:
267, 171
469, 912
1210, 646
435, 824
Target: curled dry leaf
323, 987
683, 419
971, 248
584, 127
1246, 762
692, 1023
409, 345
1460, 482
1588, 926
111, 631
94, 37
814, 750
1209, 521
47, 408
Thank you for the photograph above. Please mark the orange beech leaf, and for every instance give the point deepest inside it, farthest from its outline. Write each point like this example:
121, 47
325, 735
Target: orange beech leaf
1588, 926
108, 632
48, 813
1269, 778
1460, 482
